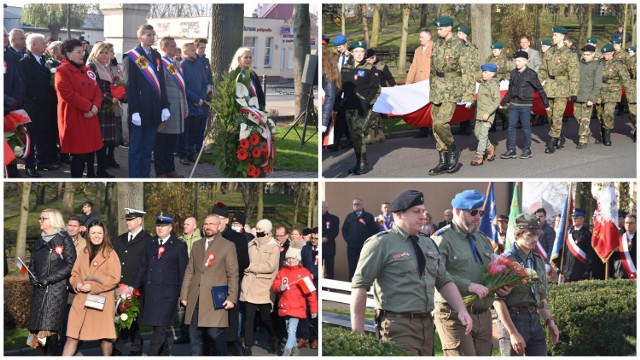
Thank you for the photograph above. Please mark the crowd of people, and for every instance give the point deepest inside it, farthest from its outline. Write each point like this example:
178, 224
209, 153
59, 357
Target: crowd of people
211, 281
560, 74
74, 96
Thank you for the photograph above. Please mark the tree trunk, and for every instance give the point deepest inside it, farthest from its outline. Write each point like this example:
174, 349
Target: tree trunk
130, 195
312, 213
111, 201
40, 191
624, 26
227, 19
481, 27
21, 240
375, 26
59, 190
402, 61
99, 198
260, 214
365, 25
589, 20
67, 199
301, 48
343, 18
423, 16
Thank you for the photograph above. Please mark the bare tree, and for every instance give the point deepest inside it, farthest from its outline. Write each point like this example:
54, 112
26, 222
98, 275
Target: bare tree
365, 25
402, 61
260, 214
343, 19
40, 192
21, 240
227, 19
375, 26
111, 201
301, 47
99, 197
311, 212
424, 11
129, 195
481, 27
67, 199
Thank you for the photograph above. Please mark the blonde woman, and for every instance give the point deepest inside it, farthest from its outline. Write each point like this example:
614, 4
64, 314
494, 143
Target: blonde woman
243, 58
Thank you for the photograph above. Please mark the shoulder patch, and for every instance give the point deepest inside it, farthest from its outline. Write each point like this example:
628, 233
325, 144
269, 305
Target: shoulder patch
442, 230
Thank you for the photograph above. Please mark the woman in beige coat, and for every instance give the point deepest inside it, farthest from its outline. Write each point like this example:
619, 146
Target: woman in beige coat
264, 255
96, 271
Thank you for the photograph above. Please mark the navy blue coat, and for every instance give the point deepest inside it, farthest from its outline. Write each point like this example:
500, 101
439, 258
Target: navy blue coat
160, 280
141, 96
310, 260
195, 81
12, 80
40, 98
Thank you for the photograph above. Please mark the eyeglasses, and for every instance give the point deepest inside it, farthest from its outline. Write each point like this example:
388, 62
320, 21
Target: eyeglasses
475, 212
43, 219
82, 52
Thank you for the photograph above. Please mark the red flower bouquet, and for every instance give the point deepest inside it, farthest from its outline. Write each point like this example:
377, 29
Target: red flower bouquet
127, 306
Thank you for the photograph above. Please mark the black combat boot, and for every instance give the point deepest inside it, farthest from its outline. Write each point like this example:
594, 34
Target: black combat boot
442, 164
606, 137
357, 165
561, 141
454, 156
601, 140
552, 143
363, 165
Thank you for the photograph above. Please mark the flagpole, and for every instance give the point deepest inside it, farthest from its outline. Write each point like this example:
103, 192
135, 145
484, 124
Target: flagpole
564, 243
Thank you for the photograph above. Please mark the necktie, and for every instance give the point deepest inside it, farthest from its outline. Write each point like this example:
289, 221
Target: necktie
474, 250
206, 246
160, 242
531, 291
44, 65
130, 237
422, 261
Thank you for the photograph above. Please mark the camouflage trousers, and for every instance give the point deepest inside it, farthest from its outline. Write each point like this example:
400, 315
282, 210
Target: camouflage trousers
606, 112
557, 107
481, 131
358, 127
633, 109
582, 113
441, 116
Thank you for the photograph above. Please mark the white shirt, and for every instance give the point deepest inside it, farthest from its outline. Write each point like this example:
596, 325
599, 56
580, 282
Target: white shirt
134, 234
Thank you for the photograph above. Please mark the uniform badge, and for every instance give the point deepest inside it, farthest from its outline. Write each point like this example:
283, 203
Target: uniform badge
161, 251
91, 75
361, 72
361, 220
328, 223
400, 255
355, 77
210, 259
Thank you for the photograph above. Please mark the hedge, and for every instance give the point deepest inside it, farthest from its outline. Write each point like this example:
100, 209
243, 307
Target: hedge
595, 318
337, 341
17, 301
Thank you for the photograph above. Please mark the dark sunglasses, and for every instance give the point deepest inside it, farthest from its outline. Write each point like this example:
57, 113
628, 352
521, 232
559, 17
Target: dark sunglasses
476, 212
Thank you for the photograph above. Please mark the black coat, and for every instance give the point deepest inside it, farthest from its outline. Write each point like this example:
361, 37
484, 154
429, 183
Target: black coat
310, 260
13, 86
356, 230
161, 280
242, 248
48, 302
130, 254
283, 252
262, 101
616, 270
330, 230
572, 269
40, 98
141, 97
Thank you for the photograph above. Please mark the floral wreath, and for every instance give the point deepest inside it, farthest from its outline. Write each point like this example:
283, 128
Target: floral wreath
16, 137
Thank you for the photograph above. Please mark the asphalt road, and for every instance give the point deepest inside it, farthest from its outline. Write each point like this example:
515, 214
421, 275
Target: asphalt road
408, 157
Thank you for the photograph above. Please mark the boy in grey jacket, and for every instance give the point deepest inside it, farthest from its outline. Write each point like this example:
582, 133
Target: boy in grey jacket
588, 90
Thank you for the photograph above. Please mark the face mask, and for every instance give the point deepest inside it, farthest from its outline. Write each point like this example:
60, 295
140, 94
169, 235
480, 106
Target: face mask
260, 234
236, 228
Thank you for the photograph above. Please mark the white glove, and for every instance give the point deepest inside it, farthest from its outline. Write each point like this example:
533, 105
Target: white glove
324, 129
314, 315
165, 115
135, 119
284, 287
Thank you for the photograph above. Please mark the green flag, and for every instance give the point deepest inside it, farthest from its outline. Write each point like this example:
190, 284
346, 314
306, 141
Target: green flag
514, 211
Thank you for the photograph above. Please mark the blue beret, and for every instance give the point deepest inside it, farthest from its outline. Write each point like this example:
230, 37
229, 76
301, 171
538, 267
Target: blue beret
559, 30
406, 200
617, 41
489, 67
546, 43
340, 40
164, 219
468, 200
464, 29
622, 214
443, 22
632, 48
592, 40
607, 48
497, 45
578, 212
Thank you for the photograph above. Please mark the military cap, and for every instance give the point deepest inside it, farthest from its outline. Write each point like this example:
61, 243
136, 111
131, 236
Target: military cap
464, 29
521, 54
497, 45
578, 212
133, 213
340, 40
406, 200
443, 22
489, 67
592, 40
357, 44
164, 219
617, 41
607, 48
622, 214
369, 53
631, 49
559, 30
504, 218
468, 200
325, 39
588, 48
546, 43
220, 209
527, 221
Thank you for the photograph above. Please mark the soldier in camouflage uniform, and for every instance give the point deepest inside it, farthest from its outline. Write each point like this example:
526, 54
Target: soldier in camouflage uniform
452, 80
504, 65
559, 74
614, 76
361, 87
463, 34
588, 90
621, 55
631, 93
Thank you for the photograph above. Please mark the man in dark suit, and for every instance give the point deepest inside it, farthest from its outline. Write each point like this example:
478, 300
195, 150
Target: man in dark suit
130, 249
330, 231
623, 260
147, 99
12, 79
40, 101
159, 276
578, 253
448, 217
358, 226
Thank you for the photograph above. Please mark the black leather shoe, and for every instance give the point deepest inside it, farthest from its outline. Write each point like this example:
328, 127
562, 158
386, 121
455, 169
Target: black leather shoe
510, 154
33, 173
526, 154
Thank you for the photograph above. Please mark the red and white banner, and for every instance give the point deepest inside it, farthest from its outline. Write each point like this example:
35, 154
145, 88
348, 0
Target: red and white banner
606, 238
306, 285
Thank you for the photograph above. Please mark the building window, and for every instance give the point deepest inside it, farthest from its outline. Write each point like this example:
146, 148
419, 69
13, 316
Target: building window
268, 48
250, 42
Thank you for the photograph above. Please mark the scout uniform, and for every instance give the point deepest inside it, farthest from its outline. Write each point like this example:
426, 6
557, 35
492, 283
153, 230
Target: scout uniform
451, 80
487, 103
560, 76
523, 301
614, 76
361, 87
464, 256
588, 90
403, 291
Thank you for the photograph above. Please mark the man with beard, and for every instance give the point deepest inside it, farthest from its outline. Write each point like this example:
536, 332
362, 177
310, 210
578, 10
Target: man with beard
130, 249
465, 251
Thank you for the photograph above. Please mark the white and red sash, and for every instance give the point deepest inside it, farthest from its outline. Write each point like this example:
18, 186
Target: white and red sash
175, 73
148, 72
625, 257
575, 249
541, 251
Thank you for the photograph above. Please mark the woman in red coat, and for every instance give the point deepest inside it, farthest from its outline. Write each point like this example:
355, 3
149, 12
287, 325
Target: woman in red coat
290, 284
79, 99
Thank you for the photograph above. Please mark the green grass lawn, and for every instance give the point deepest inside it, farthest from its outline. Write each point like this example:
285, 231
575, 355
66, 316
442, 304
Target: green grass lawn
393, 124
